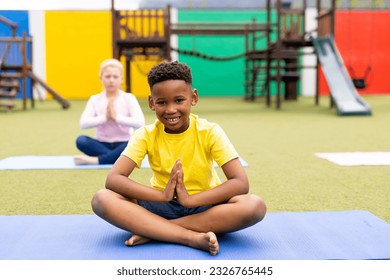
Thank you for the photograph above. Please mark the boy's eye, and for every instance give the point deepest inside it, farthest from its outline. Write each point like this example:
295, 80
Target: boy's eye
160, 102
179, 100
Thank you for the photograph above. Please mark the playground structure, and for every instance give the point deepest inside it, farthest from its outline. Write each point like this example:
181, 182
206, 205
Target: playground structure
271, 47
147, 33
16, 69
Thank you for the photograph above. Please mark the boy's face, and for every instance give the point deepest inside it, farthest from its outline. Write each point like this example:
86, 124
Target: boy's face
172, 101
111, 78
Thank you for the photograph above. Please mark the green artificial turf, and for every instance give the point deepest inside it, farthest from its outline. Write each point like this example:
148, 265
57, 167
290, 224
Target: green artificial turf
279, 146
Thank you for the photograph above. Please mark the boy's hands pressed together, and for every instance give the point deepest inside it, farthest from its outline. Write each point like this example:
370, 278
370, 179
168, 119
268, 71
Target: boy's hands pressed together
181, 192
170, 190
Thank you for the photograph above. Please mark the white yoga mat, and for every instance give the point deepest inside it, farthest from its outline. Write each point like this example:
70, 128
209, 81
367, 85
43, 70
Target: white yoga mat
58, 162
357, 158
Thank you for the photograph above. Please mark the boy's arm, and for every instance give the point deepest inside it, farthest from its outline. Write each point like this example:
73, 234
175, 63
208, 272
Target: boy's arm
237, 183
118, 181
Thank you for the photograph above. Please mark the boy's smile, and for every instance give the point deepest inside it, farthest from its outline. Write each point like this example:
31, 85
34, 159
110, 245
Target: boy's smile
172, 101
173, 120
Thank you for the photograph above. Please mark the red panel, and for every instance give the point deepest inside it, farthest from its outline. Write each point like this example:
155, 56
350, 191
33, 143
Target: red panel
364, 44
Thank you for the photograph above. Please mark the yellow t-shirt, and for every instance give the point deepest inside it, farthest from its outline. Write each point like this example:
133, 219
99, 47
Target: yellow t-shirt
198, 147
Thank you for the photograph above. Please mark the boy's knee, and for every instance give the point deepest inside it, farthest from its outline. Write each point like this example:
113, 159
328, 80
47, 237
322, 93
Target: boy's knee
257, 207
98, 202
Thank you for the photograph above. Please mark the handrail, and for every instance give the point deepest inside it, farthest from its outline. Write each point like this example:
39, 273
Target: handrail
13, 27
15, 39
8, 41
10, 23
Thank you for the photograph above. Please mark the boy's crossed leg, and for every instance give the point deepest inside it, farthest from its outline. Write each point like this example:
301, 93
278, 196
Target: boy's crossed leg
197, 231
146, 225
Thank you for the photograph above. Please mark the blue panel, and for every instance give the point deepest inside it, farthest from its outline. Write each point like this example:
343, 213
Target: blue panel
18, 17
22, 20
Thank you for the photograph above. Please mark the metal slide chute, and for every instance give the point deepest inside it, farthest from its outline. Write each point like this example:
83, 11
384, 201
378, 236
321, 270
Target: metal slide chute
342, 89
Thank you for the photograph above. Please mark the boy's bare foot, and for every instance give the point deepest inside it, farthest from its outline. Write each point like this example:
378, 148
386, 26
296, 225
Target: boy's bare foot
83, 160
207, 242
136, 240
204, 241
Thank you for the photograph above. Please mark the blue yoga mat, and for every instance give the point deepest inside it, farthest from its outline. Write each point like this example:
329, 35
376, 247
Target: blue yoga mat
30, 162
350, 235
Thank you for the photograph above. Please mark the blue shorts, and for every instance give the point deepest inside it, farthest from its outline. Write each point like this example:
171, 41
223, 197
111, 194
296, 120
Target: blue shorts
172, 209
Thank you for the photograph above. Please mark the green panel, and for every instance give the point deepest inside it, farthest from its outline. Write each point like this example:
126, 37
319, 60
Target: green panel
217, 78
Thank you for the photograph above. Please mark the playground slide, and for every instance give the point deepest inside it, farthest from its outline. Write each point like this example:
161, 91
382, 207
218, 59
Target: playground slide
342, 89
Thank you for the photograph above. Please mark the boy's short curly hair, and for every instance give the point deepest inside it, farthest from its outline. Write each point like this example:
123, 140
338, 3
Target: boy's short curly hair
169, 71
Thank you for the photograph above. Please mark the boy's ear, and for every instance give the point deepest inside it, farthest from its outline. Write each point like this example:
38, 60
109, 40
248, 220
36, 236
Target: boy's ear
195, 97
150, 102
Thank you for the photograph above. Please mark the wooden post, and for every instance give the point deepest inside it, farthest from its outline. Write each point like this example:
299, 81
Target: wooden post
24, 69
332, 31
268, 55
167, 31
278, 55
30, 69
128, 74
317, 97
115, 30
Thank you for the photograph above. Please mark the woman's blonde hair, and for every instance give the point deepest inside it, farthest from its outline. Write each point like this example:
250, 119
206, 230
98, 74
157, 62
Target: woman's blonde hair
110, 62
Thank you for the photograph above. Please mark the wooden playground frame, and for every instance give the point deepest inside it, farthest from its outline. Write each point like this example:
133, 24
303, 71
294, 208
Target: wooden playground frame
16, 68
148, 31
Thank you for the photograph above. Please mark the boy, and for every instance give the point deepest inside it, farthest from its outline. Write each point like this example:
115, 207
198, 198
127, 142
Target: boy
186, 203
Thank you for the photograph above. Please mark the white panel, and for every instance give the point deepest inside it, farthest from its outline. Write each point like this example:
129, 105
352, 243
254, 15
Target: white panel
37, 32
29, 5
309, 76
174, 37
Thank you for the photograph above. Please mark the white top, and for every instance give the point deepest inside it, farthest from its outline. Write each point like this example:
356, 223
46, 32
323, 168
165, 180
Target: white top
129, 116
